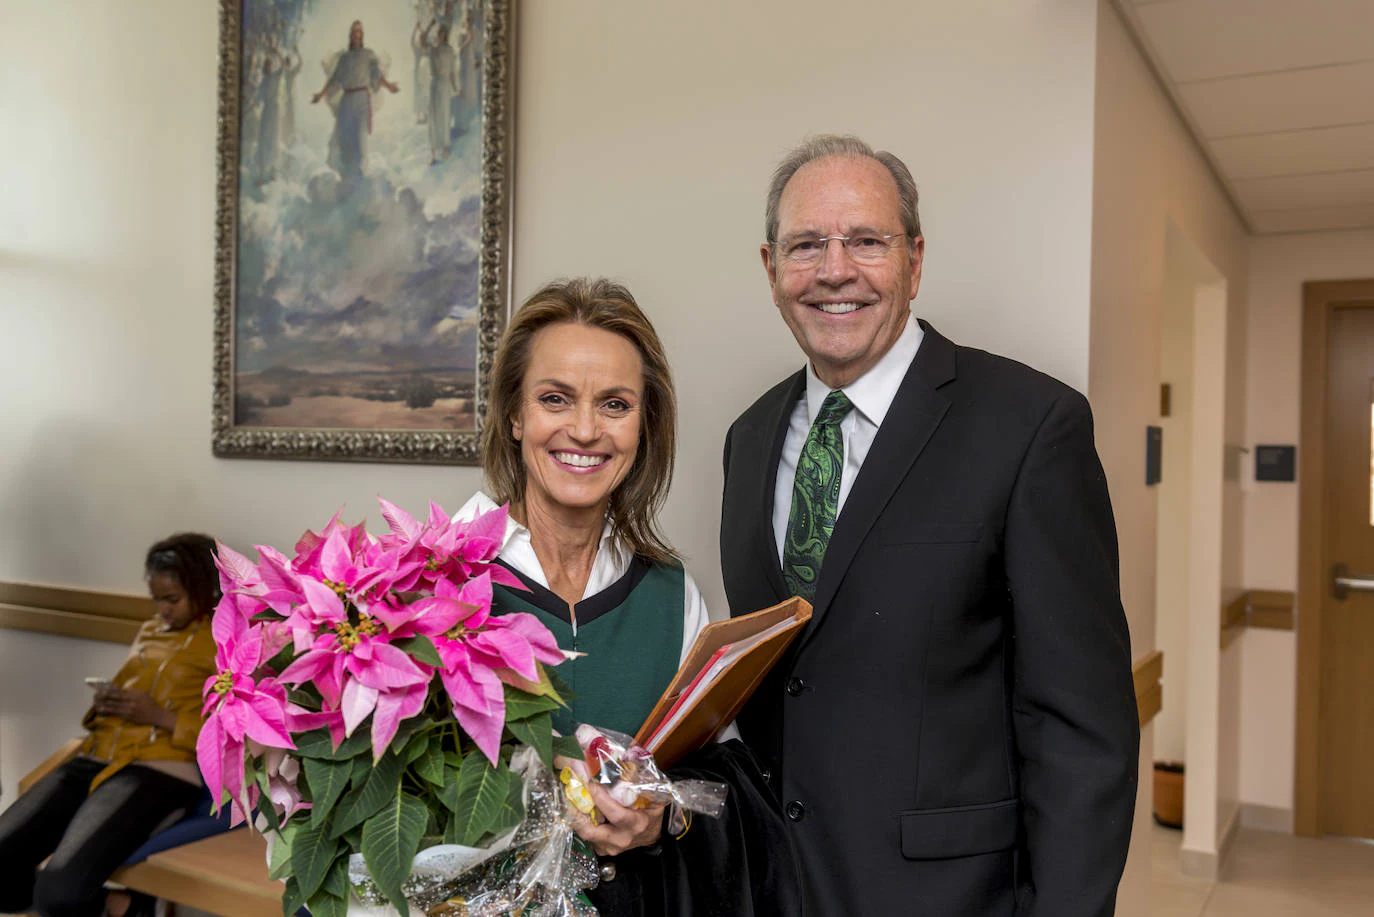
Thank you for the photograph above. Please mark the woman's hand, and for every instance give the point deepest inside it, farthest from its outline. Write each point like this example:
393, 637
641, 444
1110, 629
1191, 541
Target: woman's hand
624, 828
133, 705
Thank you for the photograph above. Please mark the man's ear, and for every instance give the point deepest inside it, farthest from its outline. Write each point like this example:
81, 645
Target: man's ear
770, 266
918, 258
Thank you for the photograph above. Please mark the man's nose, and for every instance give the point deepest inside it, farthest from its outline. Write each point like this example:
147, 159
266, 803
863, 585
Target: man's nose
836, 266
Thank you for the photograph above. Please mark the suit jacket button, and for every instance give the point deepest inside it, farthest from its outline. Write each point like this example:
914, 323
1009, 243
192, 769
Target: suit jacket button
795, 810
795, 686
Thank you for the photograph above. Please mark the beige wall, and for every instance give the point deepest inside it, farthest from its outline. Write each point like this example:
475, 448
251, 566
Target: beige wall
1147, 173
1279, 265
1173, 538
644, 135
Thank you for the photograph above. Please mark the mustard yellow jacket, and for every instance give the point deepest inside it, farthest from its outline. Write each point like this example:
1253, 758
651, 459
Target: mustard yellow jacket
172, 666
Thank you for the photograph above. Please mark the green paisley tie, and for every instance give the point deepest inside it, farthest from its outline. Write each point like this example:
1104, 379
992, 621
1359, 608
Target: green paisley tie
815, 498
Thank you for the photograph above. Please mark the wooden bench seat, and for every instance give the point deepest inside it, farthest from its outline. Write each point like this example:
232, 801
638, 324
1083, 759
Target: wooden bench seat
224, 874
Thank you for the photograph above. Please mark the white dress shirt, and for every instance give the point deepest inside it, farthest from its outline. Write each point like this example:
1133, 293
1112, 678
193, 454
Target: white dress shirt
612, 561
871, 394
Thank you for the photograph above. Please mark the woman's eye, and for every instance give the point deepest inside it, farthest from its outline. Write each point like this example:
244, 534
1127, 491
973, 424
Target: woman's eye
617, 406
553, 399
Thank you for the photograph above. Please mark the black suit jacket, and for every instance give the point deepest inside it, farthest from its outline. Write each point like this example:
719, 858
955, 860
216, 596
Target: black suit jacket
955, 733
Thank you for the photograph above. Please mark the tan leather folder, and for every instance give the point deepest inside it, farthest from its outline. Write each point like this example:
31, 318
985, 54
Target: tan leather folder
719, 702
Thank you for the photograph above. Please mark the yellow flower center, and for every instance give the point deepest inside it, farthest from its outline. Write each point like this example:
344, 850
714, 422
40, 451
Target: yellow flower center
351, 634
339, 588
223, 682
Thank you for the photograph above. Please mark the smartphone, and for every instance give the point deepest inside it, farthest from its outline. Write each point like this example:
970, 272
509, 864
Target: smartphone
95, 682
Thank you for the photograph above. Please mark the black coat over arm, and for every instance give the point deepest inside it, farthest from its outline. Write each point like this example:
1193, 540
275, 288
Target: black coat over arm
955, 733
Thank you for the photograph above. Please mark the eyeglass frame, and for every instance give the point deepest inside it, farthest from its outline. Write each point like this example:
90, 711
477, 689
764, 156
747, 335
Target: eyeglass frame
843, 240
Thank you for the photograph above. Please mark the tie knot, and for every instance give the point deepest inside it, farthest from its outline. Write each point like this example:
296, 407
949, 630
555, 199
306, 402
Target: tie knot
834, 408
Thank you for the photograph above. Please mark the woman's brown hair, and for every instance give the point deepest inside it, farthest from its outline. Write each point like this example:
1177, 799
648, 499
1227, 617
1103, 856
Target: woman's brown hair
596, 303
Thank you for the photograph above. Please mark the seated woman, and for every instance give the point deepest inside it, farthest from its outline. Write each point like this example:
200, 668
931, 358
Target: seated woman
137, 763
580, 441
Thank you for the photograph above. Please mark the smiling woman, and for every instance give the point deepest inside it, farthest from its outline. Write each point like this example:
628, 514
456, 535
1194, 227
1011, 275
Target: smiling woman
580, 440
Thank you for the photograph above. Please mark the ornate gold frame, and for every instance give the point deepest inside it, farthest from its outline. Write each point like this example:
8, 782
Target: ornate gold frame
426, 446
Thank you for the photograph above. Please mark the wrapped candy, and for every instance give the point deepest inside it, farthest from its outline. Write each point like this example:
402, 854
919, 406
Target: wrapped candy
632, 778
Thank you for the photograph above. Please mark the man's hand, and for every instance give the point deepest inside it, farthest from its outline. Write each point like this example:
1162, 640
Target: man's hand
624, 828
133, 705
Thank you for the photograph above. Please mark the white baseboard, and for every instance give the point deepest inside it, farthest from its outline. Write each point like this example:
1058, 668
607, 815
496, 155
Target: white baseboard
1266, 818
1204, 864
1198, 864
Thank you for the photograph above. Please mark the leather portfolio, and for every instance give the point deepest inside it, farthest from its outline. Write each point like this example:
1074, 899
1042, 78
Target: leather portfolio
725, 665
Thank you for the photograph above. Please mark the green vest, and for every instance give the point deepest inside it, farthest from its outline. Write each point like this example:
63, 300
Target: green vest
631, 633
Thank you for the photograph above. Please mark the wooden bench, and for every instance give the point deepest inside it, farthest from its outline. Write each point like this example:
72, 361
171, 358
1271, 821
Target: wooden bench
224, 874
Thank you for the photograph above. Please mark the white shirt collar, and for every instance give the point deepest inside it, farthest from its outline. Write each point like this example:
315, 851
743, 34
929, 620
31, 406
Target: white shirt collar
873, 392
612, 556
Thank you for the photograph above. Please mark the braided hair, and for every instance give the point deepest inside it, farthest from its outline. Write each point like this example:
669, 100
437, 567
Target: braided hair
190, 557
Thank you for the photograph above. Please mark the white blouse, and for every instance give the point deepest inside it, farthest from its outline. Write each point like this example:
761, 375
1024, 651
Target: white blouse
612, 562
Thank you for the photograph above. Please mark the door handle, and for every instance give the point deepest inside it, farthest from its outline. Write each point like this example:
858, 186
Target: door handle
1343, 582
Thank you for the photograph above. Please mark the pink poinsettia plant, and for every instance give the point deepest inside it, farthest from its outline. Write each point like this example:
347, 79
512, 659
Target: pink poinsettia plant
368, 700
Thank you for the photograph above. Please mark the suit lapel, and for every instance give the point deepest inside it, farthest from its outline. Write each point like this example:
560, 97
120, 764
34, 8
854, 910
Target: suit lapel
769, 451
916, 412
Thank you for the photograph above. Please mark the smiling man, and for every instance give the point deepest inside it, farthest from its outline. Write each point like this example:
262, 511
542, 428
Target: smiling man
955, 732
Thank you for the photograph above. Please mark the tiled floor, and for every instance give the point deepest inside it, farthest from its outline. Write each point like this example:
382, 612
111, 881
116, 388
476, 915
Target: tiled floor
1267, 875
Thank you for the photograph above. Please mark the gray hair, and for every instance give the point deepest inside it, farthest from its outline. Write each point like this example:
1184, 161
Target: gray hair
825, 145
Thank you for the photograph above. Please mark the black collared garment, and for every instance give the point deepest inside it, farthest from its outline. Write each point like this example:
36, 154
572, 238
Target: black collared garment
955, 733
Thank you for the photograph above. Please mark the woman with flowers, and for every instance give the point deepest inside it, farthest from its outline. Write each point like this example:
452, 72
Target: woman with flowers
580, 442
137, 763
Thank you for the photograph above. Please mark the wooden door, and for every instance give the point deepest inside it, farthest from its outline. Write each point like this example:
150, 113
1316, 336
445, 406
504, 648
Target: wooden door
1347, 616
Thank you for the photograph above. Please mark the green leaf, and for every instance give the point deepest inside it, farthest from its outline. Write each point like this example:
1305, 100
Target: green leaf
268, 811
391, 839
327, 780
536, 732
284, 658
448, 789
513, 809
332, 898
336, 881
291, 900
556, 682
362, 767
417, 746
359, 805
317, 744
278, 867
421, 648
522, 705
566, 747
481, 791
430, 766
309, 699
312, 854
323, 904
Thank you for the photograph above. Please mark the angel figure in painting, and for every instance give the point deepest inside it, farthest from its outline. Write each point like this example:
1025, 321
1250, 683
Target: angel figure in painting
443, 69
269, 131
288, 120
355, 76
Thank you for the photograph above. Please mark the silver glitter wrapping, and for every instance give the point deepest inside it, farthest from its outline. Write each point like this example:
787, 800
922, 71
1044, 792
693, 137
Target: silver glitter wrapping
535, 871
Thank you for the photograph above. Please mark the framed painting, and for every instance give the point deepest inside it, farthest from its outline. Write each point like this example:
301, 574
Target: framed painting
362, 258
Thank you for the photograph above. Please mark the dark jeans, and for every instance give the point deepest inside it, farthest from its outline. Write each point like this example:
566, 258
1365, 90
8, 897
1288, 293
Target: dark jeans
87, 834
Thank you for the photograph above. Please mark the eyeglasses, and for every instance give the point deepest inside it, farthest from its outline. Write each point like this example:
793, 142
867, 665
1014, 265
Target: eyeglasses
867, 248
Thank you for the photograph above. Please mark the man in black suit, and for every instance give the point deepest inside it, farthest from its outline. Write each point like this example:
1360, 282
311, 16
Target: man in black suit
955, 733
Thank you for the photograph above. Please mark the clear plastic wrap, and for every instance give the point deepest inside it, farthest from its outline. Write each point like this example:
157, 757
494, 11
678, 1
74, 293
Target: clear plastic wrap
630, 775
535, 871
540, 869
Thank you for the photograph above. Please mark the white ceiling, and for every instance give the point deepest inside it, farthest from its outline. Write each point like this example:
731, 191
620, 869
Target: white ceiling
1280, 95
